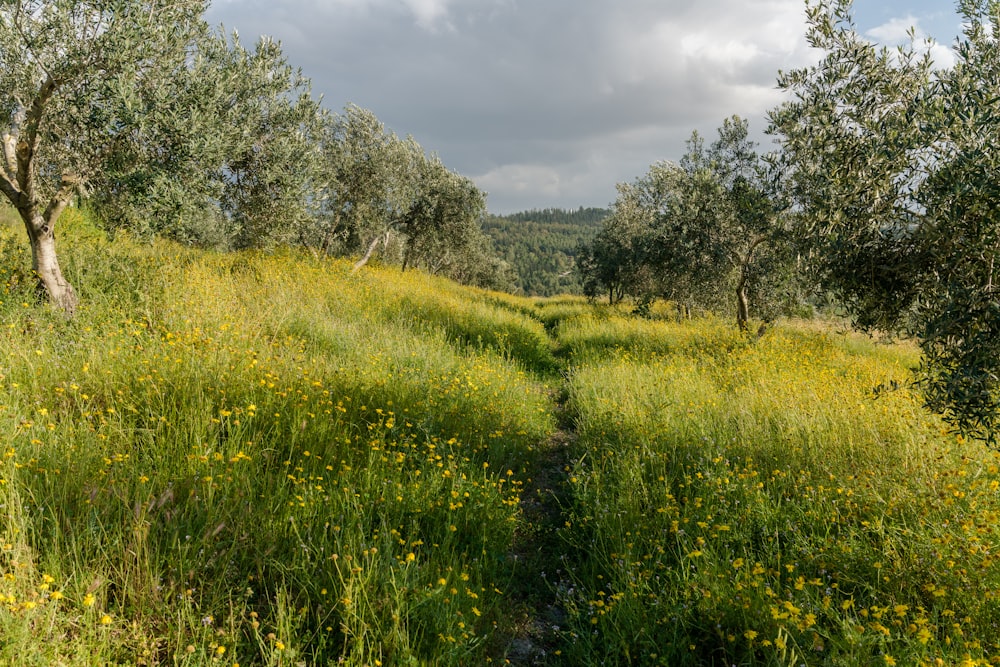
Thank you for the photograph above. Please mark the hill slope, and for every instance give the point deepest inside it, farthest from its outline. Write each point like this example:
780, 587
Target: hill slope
264, 459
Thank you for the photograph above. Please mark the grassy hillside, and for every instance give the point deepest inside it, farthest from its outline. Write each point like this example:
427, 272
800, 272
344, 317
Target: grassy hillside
540, 246
764, 503
260, 459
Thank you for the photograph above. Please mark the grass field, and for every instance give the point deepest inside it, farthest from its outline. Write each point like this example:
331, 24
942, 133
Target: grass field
260, 459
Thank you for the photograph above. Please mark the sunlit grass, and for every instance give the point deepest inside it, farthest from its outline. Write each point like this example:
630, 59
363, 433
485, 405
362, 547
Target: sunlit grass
258, 459
266, 460
760, 505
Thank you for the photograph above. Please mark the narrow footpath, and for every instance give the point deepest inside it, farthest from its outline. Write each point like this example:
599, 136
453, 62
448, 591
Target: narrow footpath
538, 554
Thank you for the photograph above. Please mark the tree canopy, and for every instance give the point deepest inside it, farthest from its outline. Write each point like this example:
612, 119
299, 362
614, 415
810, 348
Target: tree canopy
896, 169
225, 153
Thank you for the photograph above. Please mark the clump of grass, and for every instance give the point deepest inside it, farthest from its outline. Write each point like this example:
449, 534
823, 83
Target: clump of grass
553, 311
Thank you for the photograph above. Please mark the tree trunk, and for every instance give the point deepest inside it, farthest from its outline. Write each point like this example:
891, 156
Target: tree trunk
368, 255
371, 250
46, 266
18, 180
406, 258
324, 246
742, 305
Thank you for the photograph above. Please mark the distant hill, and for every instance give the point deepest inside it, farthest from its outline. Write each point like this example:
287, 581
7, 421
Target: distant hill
540, 246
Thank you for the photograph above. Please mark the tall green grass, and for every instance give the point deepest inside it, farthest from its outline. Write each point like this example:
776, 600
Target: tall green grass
257, 459
263, 459
754, 503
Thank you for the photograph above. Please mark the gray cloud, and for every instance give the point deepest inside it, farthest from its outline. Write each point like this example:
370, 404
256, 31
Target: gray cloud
541, 102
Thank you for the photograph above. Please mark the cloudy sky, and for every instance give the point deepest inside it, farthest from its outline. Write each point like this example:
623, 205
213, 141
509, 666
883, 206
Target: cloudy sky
549, 103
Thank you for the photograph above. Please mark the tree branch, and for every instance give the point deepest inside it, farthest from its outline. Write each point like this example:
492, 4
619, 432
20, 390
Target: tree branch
757, 242
61, 199
10, 156
364, 260
9, 189
27, 147
26, 38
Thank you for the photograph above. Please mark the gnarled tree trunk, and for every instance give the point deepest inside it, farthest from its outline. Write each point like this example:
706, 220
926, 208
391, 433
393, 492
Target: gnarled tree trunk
742, 301
19, 184
45, 264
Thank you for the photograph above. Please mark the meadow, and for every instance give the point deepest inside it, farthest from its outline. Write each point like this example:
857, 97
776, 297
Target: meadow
262, 459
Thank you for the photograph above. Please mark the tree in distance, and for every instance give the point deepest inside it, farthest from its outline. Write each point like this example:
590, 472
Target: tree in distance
383, 191
895, 167
613, 262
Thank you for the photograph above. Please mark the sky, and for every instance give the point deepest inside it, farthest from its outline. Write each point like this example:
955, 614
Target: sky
550, 103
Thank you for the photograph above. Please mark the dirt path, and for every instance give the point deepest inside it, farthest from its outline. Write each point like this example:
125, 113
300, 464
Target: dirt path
538, 553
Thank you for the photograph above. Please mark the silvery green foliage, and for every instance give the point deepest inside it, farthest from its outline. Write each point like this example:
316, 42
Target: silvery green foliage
227, 154
614, 262
895, 166
64, 63
442, 220
369, 178
380, 190
180, 131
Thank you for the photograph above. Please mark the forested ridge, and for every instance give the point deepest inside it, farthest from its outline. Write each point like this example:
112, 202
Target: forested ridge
541, 246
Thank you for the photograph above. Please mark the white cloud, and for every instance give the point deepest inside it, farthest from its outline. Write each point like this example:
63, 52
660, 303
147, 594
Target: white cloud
943, 56
899, 31
428, 13
894, 31
708, 48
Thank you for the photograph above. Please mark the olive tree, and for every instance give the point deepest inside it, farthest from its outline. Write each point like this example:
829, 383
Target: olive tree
705, 231
228, 154
611, 262
63, 66
895, 167
368, 180
753, 242
443, 220
383, 191
627, 256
